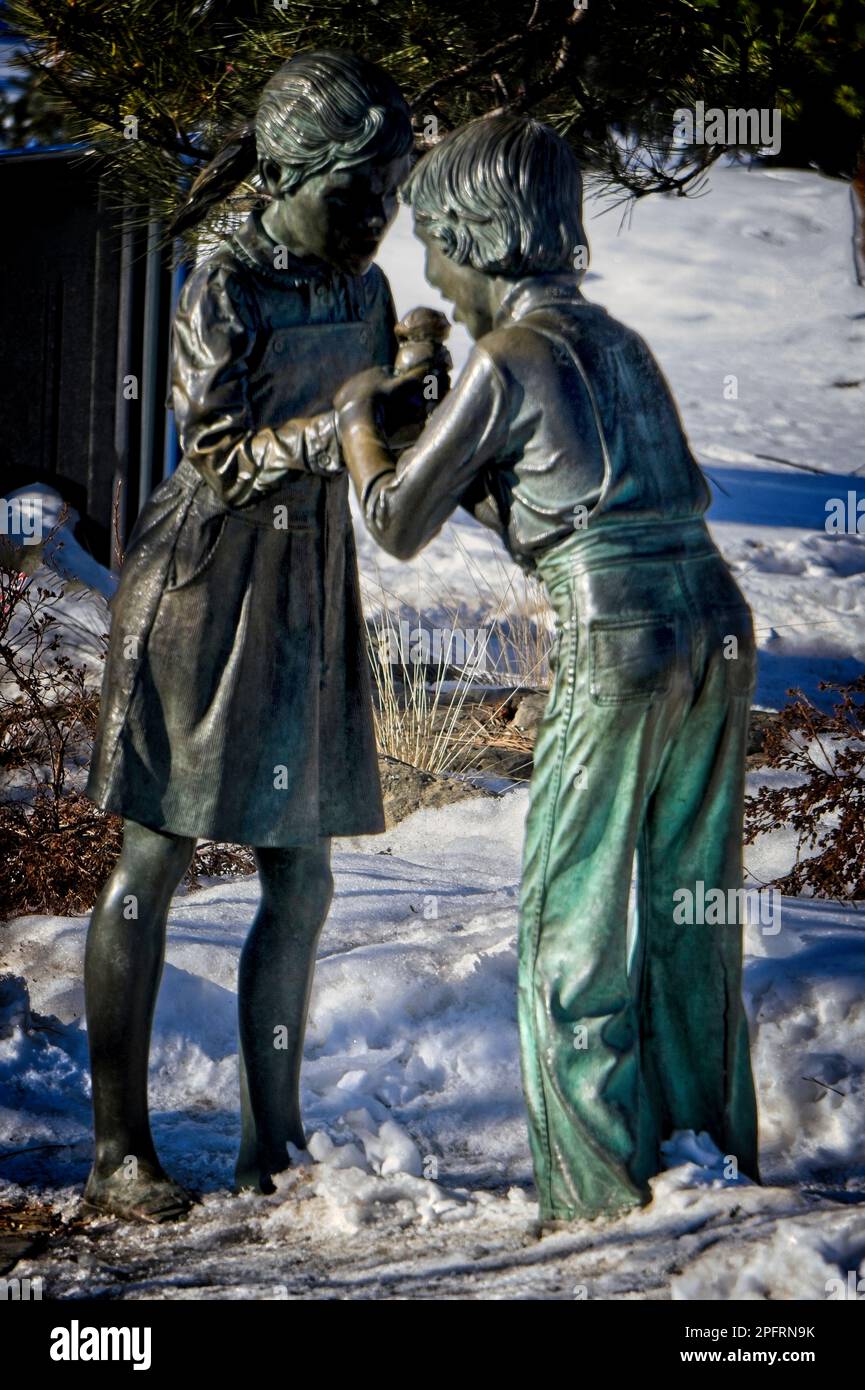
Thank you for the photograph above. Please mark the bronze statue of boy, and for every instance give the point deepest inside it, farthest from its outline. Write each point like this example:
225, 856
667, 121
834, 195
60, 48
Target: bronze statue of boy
562, 434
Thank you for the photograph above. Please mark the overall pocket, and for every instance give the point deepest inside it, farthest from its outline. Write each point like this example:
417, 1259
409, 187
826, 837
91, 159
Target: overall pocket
734, 633
631, 658
195, 548
302, 366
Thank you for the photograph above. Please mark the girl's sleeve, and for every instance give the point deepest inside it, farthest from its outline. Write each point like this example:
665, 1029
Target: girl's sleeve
214, 335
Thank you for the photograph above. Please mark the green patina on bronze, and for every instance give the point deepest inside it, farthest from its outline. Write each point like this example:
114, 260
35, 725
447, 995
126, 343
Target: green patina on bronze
561, 433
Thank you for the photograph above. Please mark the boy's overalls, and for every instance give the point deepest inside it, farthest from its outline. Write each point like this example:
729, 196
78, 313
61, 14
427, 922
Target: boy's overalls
562, 432
641, 752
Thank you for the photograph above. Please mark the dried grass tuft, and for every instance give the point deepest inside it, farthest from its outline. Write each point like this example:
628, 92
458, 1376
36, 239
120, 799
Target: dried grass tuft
56, 853
825, 805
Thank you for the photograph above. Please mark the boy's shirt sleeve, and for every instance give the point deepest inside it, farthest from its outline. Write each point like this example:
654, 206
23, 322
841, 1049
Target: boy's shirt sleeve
214, 335
407, 505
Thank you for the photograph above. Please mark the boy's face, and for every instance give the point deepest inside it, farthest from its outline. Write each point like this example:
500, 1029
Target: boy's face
339, 216
469, 290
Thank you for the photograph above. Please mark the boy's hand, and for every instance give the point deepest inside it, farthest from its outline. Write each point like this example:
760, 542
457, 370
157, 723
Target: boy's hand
362, 389
379, 398
399, 402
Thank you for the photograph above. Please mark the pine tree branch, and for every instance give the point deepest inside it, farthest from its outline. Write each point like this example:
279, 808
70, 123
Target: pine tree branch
92, 111
532, 93
483, 60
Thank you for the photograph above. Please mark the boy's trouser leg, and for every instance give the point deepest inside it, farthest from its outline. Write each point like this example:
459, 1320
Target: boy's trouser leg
592, 1124
694, 1033
641, 752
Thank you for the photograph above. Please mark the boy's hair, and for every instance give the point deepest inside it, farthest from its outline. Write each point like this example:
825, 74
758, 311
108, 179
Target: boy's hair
502, 194
328, 108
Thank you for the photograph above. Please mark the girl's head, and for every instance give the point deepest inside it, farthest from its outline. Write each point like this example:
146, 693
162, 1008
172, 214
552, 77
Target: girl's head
500, 197
333, 135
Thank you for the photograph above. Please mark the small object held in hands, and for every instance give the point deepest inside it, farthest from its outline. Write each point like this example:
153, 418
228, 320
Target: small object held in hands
421, 335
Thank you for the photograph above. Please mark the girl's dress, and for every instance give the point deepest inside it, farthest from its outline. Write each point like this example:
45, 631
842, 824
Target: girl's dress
236, 698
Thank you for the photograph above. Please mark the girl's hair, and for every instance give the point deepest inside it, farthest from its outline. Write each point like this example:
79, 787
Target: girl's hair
329, 108
502, 194
323, 108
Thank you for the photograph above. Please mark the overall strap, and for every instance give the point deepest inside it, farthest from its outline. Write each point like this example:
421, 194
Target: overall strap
558, 339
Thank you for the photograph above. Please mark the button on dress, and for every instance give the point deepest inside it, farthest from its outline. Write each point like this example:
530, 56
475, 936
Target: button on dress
236, 700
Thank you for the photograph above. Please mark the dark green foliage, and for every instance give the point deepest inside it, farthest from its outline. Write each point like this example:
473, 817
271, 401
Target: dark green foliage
608, 77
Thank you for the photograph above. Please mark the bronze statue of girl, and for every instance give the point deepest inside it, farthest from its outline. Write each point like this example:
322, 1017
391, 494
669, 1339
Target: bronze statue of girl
236, 703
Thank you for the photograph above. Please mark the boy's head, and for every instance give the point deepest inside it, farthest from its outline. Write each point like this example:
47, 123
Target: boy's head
499, 199
502, 194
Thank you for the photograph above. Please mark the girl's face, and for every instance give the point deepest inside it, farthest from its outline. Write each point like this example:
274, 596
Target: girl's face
339, 216
470, 291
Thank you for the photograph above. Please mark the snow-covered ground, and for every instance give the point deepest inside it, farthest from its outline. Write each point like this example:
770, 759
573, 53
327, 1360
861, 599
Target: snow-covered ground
421, 1184
422, 1180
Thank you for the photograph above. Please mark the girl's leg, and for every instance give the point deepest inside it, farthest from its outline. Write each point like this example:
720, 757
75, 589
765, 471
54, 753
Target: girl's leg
122, 970
276, 969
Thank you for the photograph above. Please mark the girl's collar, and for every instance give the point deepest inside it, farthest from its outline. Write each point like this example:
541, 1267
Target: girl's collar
257, 249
